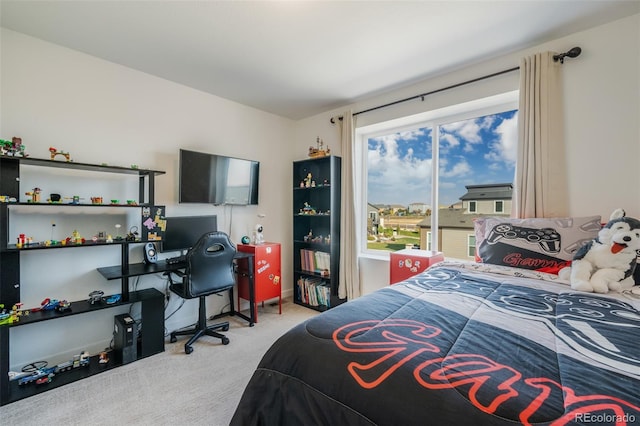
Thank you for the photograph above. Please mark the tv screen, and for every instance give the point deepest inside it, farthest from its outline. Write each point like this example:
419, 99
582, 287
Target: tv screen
182, 232
217, 179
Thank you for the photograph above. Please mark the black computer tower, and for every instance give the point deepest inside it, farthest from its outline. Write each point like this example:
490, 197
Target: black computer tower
125, 337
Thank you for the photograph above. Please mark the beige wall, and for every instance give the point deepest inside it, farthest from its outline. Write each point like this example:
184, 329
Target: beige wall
602, 106
103, 112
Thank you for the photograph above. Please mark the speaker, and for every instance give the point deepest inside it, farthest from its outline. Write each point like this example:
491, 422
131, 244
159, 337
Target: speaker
150, 253
125, 339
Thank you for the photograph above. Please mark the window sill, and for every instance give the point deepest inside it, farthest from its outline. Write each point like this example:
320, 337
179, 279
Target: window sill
375, 256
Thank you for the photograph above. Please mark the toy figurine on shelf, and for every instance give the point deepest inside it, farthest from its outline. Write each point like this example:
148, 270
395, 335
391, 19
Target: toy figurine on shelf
307, 209
54, 153
34, 194
9, 317
13, 148
23, 240
104, 357
307, 181
75, 238
319, 151
54, 198
95, 297
74, 200
309, 236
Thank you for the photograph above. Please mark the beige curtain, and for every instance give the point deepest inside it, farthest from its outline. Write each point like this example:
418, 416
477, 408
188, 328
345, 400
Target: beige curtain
540, 183
349, 280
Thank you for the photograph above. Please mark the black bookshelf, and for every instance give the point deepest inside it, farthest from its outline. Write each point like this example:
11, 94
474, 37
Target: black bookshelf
316, 232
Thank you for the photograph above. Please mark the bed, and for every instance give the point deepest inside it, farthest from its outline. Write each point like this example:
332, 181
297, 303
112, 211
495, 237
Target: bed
461, 343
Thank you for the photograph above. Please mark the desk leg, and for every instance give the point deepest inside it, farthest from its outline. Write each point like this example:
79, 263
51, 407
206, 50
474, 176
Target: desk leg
252, 294
232, 308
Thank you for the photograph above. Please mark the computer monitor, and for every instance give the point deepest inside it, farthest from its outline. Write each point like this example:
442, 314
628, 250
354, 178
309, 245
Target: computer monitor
182, 232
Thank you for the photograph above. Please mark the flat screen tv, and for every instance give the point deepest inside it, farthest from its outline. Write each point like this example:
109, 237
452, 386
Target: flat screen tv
217, 179
182, 232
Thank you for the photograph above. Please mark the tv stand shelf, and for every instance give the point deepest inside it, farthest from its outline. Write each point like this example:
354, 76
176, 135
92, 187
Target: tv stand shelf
150, 342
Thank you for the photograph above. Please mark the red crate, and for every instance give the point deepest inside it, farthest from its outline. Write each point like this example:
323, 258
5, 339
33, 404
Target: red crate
406, 263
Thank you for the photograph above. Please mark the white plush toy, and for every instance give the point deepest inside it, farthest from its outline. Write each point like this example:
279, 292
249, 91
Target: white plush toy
607, 262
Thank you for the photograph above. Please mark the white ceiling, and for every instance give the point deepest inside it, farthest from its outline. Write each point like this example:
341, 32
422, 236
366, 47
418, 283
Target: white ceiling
300, 58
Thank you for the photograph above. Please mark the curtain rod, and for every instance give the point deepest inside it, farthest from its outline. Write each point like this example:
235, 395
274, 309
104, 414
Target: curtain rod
572, 53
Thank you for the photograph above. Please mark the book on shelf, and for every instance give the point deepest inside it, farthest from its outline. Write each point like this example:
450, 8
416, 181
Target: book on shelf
315, 261
314, 291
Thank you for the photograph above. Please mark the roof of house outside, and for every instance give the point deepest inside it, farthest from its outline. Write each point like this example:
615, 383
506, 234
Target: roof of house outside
497, 191
455, 218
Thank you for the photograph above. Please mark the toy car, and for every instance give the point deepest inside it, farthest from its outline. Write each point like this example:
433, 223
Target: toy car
63, 306
114, 298
49, 304
95, 296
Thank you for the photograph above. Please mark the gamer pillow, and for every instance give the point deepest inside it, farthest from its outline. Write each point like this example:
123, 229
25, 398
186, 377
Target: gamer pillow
542, 244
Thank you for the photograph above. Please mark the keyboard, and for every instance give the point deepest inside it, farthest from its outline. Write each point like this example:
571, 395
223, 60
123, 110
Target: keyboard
175, 260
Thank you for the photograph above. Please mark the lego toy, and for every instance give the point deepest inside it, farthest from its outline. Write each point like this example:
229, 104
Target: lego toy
319, 151
13, 148
34, 194
54, 153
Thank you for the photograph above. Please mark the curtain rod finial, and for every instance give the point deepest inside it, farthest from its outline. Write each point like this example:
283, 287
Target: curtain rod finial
572, 53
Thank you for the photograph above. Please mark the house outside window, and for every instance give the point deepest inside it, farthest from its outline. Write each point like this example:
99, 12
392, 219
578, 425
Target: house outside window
498, 206
431, 161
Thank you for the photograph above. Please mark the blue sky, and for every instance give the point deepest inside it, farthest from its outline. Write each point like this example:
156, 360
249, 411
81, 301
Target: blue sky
472, 152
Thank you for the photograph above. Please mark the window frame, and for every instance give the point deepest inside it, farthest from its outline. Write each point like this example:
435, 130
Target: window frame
495, 206
464, 111
471, 246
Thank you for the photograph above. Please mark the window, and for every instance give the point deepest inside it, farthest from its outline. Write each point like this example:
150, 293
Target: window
471, 246
498, 207
429, 160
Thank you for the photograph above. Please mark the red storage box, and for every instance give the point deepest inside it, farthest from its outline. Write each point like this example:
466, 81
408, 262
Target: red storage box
267, 274
409, 262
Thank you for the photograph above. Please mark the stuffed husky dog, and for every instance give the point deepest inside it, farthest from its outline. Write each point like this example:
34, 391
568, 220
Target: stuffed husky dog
607, 262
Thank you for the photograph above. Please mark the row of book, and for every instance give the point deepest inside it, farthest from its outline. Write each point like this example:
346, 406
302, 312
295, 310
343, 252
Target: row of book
314, 291
315, 261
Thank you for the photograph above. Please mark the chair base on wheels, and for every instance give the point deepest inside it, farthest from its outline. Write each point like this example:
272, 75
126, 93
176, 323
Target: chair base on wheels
197, 333
201, 329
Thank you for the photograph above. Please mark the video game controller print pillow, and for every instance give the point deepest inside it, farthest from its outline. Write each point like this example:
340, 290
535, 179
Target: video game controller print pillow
541, 244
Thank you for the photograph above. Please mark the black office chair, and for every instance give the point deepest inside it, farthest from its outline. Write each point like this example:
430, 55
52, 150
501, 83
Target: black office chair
209, 270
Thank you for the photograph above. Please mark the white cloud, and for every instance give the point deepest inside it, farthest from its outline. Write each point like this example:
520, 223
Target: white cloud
505, 148
400, 177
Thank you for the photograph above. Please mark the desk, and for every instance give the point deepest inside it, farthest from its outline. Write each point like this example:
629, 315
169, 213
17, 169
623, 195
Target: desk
128, 270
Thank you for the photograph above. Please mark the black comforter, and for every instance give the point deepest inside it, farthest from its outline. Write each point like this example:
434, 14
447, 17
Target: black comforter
456, 345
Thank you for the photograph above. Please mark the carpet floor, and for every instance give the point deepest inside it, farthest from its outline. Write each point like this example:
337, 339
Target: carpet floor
169, 388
